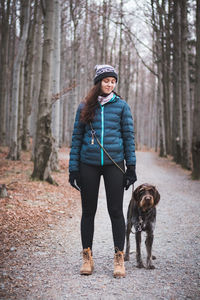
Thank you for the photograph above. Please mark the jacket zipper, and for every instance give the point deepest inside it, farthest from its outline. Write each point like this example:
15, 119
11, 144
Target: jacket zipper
102, 129
102, 132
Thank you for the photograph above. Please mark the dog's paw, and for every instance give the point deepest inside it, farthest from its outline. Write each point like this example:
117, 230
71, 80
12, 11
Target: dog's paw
126, 257
140, 265
150, 267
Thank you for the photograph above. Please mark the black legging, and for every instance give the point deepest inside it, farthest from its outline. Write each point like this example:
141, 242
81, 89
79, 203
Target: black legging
90, 180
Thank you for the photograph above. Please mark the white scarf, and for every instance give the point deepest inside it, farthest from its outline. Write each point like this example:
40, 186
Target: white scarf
103, 100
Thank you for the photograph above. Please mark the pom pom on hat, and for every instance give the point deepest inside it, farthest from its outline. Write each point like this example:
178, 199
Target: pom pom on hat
103, 71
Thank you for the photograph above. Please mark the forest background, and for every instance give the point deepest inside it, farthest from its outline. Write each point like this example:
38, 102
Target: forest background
48, 50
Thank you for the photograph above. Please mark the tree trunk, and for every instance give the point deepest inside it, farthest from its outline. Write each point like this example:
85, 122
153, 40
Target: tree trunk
63, 71
120, 48
5, 14
20, 111
75, 40
11, 58
29, 77
104, 31
166, 70
43, 145
37, 71
185, 88
56, 87
176, 76
136, 119
127, 77
16, 76
196, 119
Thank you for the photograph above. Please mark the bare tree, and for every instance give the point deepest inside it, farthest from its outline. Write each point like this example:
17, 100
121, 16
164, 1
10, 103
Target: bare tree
13, 153
196, 122
29, 77
4, 38
37, 71
56, 86
176, 80
43, 143
158, 83
120, 46
185, 88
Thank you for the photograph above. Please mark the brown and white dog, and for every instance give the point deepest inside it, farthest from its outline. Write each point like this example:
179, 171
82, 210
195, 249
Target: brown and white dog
142, 215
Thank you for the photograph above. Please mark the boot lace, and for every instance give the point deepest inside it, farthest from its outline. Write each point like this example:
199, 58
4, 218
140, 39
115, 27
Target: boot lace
119, 259
86, 257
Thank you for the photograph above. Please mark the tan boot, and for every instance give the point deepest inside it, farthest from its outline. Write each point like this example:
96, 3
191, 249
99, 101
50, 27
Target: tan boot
119, 269
88, 264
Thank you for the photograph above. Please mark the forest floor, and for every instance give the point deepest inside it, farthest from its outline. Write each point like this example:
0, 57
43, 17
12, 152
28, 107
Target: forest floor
40, 246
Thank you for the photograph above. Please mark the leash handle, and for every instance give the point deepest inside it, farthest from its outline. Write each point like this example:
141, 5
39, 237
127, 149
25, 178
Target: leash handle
94, 135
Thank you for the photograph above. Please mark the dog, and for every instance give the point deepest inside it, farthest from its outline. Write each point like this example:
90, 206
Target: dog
142, 215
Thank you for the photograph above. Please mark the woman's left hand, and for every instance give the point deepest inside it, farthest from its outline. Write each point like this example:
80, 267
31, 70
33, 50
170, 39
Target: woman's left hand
129, 177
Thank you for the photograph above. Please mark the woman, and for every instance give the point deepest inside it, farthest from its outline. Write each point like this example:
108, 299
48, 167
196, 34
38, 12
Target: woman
103, 123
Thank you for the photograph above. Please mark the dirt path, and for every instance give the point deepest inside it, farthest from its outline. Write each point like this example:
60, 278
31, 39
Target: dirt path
49, 267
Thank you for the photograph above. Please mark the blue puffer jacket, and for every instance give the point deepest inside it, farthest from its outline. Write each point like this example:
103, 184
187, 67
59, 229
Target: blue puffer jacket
113, 125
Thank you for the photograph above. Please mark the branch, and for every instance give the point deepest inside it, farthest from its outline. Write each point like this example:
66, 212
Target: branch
57, 96
118, 23
149, 68
127, 30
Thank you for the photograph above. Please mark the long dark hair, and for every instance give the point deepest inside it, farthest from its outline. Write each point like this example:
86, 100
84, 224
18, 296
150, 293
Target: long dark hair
91, 103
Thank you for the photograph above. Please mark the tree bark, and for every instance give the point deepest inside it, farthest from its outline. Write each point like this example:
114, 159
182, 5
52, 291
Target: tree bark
43, 145
29, 80
196, 118
37, 71
166, 68
16, 76
185, 88
176, 76
5, 13
56, 87
20, 111
120, 47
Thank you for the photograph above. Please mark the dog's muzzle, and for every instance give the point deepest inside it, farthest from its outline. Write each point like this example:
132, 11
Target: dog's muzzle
146, 202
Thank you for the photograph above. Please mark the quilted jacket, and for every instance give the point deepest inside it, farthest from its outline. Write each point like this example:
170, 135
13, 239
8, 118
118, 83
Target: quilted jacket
113, 125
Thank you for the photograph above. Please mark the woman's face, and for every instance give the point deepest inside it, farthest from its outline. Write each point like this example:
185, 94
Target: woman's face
108, 85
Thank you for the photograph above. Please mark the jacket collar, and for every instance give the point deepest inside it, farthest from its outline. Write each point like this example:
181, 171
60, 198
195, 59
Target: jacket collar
109, 99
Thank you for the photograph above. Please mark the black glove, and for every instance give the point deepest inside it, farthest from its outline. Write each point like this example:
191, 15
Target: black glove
129, 177
75, 180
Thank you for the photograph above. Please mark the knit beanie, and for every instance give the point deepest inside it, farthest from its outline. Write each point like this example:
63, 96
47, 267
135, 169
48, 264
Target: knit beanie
103, 71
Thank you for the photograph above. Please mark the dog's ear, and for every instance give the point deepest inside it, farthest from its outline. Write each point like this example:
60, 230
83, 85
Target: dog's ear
156, 196
136, 194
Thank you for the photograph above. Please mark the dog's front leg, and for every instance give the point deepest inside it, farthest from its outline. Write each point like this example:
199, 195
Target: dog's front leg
149, 243
128, 231
138, 249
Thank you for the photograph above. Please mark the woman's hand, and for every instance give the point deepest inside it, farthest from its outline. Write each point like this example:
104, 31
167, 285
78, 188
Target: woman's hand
129, 177
75, 179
